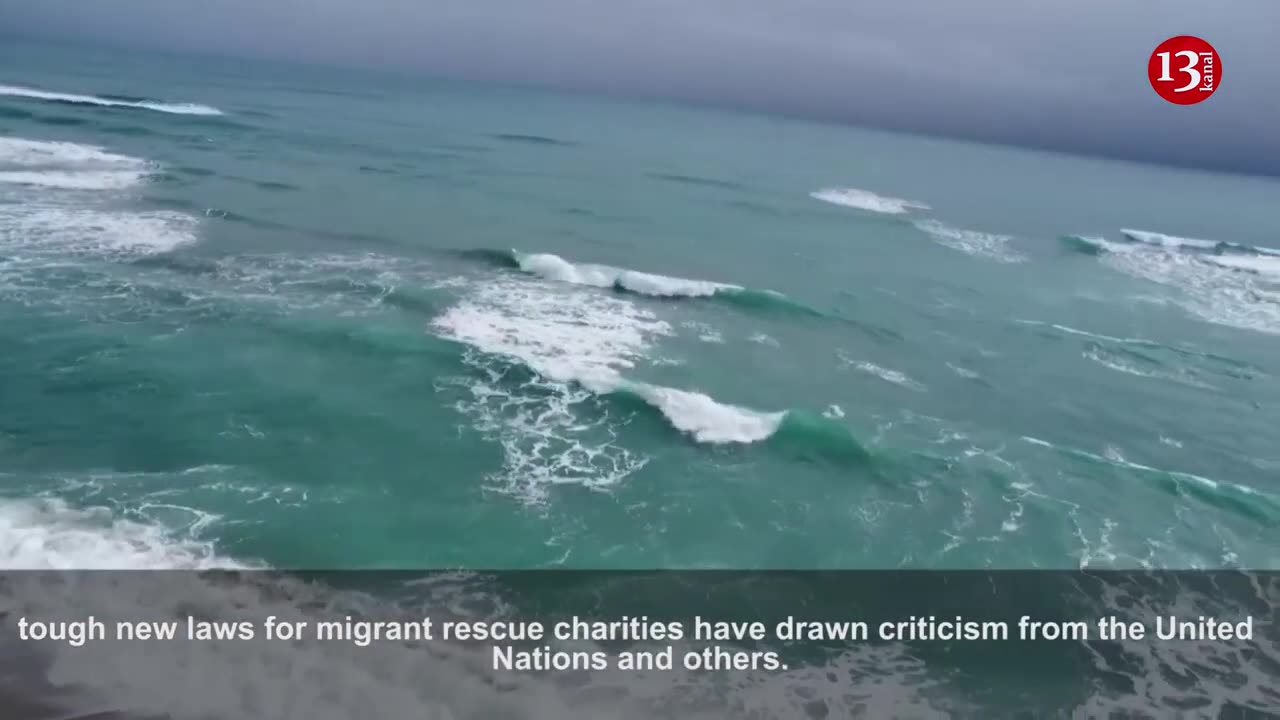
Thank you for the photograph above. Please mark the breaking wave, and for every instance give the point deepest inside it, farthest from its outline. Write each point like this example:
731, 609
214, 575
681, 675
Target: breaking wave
1183, 243
171, 108
1092, 245
710, 422
1226, 283
1232, 256
550, 387
554, 267
867, 200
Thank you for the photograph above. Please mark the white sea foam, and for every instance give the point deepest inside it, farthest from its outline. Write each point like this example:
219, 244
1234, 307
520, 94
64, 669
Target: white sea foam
71, 179
867, 200
68, 166
554, 267
1206, 287
49, 534
24, 152
575, 343
58, 229
981, 244
172, 108
563, 335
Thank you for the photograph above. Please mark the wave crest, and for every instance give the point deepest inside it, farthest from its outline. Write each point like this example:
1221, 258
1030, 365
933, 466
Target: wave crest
867, 200
554, 267
171, 108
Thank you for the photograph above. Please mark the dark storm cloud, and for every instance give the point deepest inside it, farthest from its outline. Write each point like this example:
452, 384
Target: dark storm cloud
1066, 75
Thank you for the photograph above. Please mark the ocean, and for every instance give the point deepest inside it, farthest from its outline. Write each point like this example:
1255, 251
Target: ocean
264, 315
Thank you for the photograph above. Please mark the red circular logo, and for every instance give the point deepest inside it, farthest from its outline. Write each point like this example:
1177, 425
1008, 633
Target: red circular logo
1184, 70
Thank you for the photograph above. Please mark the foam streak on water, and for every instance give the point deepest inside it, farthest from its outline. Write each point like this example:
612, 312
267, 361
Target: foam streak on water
981, 244
172, 108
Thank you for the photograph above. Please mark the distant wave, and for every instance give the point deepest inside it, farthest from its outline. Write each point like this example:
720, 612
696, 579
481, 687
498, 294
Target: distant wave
1225, 254
109, 101
981, 244
554, 267
867, 200
697, 180
531, 139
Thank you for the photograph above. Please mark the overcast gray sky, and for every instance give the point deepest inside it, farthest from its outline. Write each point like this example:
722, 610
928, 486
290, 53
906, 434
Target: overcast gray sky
1060, 74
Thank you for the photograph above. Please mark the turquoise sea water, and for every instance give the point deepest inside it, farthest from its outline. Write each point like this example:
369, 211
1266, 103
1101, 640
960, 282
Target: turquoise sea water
310, 318
263, 315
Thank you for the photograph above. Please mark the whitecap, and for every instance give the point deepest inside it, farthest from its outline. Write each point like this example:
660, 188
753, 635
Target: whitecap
554, 267
867, 200
703, 418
